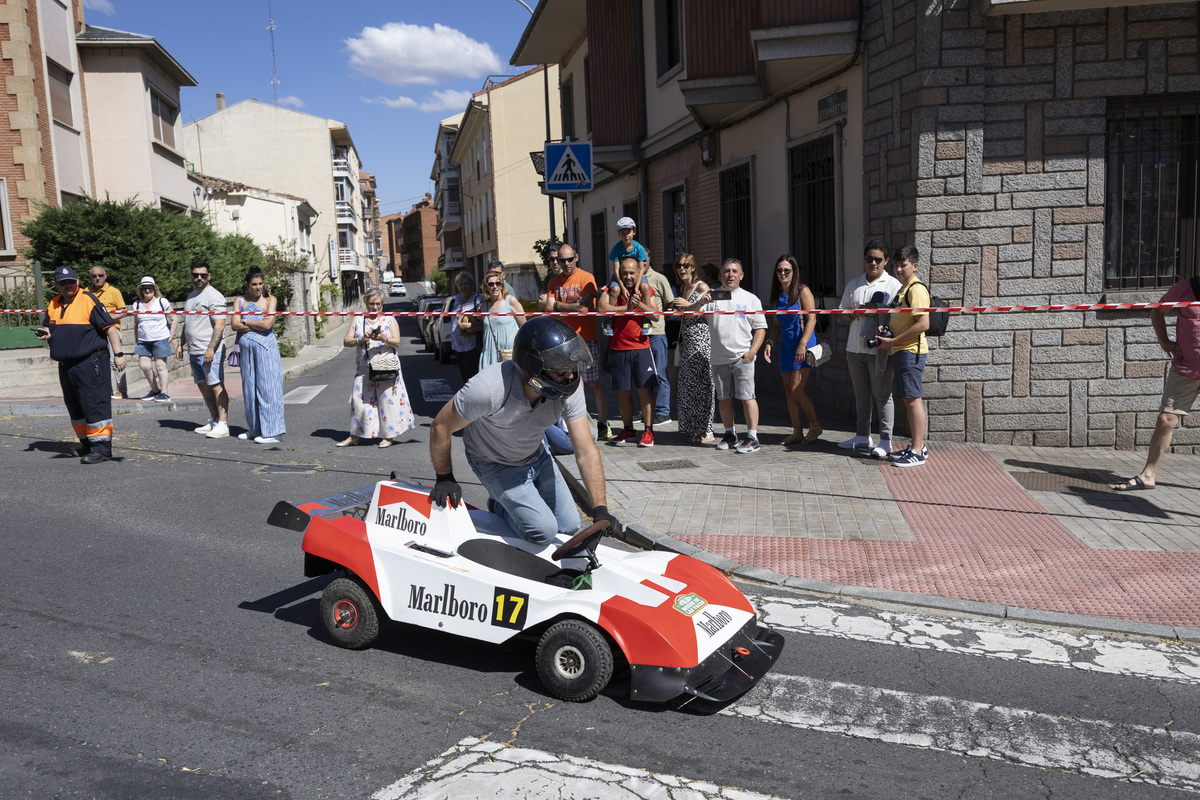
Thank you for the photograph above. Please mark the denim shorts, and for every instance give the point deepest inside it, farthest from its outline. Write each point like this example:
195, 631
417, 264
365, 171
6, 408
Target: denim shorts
160, 349
216, 370
909, 369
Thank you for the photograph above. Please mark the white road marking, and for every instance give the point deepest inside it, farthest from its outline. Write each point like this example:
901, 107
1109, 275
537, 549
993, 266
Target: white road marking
436, 390
479, 770
303, 394
1094, 652
1091, 747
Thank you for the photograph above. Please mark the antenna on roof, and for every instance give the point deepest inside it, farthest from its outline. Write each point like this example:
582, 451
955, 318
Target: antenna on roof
271, 28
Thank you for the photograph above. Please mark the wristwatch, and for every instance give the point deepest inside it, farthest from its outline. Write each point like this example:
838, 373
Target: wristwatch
115, 355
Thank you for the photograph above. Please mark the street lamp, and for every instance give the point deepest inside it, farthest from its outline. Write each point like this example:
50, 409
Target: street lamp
546, 85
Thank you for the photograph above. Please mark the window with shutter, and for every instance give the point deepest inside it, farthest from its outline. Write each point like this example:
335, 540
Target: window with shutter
60, 94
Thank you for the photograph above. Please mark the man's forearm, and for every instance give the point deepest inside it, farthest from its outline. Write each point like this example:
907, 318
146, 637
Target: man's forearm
591, 469
439, 449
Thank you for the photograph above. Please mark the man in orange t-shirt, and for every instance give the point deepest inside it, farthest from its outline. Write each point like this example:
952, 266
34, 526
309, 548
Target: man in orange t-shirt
574, 289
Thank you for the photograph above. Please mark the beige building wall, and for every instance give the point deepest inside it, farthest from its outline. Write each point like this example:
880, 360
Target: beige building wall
129, 163
276, 149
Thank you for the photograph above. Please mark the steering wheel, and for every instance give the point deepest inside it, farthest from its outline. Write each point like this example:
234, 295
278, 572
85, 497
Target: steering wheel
573, 544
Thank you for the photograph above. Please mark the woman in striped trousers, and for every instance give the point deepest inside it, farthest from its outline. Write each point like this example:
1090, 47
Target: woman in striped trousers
262, 370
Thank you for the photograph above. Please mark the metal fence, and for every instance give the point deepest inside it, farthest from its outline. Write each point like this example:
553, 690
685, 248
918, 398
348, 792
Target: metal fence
21, 286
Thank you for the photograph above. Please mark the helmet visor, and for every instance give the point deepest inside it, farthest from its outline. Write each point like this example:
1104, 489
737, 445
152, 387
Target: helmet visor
571, 355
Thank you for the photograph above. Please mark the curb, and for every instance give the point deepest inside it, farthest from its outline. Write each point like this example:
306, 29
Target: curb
650, 539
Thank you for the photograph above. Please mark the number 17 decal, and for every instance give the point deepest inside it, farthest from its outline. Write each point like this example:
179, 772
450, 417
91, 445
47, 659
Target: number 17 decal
509, 609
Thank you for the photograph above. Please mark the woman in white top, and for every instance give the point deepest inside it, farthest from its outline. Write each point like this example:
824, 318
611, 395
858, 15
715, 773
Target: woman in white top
154, 336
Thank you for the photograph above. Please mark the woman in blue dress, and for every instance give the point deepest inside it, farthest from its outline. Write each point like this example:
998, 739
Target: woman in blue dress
262, 370
795, 333
498, 331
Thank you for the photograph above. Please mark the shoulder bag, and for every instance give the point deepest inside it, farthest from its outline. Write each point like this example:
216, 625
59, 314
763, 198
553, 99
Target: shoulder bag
384, 366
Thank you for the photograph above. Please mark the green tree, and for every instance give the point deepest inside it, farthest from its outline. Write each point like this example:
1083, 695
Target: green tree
441, 284
131, 240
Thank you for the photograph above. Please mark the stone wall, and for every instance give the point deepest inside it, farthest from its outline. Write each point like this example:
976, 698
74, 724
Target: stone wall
984, 145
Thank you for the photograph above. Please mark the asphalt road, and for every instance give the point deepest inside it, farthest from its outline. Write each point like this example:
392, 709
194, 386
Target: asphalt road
160, 642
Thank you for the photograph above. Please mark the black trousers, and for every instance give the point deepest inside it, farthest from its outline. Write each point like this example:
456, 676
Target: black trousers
87, 393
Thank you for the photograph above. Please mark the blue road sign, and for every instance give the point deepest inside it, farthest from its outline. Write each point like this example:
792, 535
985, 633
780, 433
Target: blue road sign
569, 167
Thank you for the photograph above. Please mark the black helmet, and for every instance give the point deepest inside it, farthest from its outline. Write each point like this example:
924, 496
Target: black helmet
547, 343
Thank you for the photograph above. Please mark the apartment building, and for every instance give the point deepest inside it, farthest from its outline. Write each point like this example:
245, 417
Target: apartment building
503, 210
447, 196
391, 233
44, 158
420, 248
135, 156
372, 236
300, 154
1035, 151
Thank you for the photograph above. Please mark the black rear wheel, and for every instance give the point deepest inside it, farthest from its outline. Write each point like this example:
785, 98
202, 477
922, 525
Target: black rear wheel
574, 660
350, 613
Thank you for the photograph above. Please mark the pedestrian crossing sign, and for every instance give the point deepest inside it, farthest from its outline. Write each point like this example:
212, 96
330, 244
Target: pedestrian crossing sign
568, 167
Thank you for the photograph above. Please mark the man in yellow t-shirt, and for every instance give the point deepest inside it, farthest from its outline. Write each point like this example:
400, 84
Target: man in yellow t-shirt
909, 351
114, 303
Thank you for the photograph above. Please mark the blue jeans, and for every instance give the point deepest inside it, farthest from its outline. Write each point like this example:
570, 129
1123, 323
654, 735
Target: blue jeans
534, 499
662, 393
559, 441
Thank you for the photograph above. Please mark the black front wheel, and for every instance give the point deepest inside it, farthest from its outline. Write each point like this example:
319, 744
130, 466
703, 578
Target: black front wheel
350, 613
574, 661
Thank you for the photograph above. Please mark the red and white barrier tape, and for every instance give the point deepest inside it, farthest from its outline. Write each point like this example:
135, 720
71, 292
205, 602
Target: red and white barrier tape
674, 313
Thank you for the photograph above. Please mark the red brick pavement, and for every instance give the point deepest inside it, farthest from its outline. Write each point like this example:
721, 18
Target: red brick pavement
980, 536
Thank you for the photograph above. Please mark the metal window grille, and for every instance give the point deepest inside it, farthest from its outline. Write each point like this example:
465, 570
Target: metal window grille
1152, 228
675, 241
737, 219
814, 213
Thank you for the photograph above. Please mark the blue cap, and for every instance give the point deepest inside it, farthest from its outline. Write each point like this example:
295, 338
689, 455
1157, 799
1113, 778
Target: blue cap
65, 274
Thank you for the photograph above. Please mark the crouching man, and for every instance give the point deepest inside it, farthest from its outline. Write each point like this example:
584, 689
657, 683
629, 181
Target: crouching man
503, 413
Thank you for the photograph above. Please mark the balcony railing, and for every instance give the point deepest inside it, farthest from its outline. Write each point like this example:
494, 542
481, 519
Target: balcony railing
341, 166
454, 256
347, 258
345, 211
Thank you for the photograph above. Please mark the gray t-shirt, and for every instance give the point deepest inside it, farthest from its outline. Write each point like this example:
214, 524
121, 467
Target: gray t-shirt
198, 328
505, 428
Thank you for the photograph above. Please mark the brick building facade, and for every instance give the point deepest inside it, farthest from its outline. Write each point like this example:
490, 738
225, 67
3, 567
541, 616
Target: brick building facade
1006, 147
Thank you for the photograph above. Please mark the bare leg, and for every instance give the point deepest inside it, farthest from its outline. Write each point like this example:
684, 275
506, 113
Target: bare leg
726, 408
790, 380
164, 374
146, 364
601, 397
805, 402
625, 404
1164, 430
646, 400
916, 421
750, 407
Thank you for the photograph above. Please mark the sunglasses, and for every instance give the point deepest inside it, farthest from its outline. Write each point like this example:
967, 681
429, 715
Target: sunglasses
199, 274
561, 260
874, 260
490, 284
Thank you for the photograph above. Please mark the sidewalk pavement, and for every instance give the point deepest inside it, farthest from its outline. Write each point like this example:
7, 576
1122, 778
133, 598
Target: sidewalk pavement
1028, 533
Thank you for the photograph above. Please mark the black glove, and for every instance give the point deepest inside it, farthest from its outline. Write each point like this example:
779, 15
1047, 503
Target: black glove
600, 514
446, 490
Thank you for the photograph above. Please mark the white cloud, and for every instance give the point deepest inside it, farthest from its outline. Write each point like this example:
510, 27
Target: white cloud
399, 102
447, 100
400, 54
291, 100
439, 100
103, 6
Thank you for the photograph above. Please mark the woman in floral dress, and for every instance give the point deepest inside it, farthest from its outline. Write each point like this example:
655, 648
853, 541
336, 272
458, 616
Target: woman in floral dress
377, 410
695, 386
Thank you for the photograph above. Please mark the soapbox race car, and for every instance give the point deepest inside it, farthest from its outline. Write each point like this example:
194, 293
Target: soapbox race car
685, 630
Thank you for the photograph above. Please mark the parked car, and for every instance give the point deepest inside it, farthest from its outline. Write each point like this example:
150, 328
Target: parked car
425, 325
438, 332
398, 289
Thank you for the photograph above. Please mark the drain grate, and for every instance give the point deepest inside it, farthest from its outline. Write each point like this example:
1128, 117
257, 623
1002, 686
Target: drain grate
1054, 482
286, 469
658, 466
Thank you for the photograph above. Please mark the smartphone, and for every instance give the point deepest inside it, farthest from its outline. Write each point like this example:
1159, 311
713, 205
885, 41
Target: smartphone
721, 294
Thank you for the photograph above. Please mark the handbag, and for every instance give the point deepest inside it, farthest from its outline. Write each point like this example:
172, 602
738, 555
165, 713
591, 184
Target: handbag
818, 354
383, 368
234, 358
503, 353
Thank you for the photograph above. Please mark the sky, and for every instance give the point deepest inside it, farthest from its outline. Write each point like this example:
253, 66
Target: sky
388, 70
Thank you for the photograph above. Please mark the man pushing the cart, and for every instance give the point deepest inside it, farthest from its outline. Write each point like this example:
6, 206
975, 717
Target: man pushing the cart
503, 413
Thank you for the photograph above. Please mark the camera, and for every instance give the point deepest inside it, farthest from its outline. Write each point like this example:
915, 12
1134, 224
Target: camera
884, 331
721, 294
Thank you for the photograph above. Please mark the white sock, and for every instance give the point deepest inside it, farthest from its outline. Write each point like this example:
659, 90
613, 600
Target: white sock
752, 434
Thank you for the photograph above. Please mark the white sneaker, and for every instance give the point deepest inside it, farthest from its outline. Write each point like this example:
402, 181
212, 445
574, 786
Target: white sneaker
207, 427
857, 441
243, 436
219, 430
882, 449
266, 440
